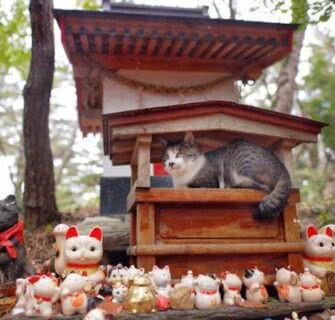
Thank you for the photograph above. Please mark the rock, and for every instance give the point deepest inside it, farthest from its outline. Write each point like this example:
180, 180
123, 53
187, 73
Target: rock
116, 232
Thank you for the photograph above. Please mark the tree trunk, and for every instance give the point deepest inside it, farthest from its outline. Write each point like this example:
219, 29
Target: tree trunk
286, 90
39, 187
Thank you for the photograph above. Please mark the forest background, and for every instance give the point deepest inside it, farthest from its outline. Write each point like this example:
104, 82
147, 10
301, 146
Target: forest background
303, 84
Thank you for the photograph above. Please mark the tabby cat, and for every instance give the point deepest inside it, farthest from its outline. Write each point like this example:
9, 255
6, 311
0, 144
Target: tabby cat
239, 164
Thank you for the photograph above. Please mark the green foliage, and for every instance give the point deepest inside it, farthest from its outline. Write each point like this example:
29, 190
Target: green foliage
88, 4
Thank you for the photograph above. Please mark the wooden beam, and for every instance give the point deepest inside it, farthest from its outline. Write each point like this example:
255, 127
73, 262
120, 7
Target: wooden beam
84, 40
141, 159
98, 40
178, 43
166, 43
229, 47
145, 233
216, 46
191, 43
126, 42
203, 195
204, 44
139, 42
214, 122
112, 41
228, 248
152, 44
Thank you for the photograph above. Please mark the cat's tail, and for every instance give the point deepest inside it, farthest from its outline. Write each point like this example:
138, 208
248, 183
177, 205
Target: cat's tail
273, 204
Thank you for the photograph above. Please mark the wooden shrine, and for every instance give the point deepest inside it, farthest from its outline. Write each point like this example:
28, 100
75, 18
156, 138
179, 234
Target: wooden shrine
206, 230
152, 72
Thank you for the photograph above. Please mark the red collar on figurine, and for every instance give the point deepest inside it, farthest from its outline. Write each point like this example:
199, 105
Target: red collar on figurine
317, 286
210, 292
41, 298
82, 266
320, 259
15, 231
233, 289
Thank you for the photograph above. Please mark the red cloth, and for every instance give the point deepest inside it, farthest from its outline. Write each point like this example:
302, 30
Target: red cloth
15, 231
159, 170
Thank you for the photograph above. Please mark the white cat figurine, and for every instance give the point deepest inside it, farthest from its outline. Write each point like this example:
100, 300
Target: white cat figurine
187, 281
232, 286
207, 292
73, 296
310, 287
288, 285
80, 254
43, 293
161, 280
22, 296
254, 281
119, 292
319, 252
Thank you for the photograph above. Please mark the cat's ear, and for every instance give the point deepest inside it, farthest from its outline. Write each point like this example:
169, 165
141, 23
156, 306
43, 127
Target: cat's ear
311, 231
72, 232
96, 233
189, 138
155, 268
167, 268
11, 199
329, 232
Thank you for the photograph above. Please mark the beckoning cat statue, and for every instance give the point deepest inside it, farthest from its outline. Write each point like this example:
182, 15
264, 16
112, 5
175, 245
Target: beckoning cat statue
319, 252
310, 287
207, 292
79, 254
288, 285
161, 280
254, 281
232, 286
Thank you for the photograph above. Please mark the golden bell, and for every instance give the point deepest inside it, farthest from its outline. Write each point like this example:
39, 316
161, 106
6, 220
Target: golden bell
141, 297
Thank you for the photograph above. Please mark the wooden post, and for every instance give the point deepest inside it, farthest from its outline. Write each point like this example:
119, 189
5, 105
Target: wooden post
145, 232
141, 161
283, 150
292, 235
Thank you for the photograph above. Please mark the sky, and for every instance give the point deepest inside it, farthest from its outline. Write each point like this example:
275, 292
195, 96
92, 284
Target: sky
246, 12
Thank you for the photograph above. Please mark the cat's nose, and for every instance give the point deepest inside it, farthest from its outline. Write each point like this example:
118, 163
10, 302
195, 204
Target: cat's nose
171, 164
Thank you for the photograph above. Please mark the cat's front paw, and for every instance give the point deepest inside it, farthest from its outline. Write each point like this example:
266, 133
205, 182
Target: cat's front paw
60, 229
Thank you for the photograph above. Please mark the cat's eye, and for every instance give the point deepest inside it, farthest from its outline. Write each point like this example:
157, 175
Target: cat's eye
178, 155
74, 249
92, 248
321, 244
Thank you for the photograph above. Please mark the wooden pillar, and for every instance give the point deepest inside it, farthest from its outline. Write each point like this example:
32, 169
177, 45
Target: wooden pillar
140, 161
145, 232
291, 230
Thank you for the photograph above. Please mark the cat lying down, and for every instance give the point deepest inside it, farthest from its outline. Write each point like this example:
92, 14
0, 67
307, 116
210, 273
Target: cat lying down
239, 164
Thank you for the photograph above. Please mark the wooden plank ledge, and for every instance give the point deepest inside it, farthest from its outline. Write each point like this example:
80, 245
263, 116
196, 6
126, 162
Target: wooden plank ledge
274, 310
229, 248
201, 195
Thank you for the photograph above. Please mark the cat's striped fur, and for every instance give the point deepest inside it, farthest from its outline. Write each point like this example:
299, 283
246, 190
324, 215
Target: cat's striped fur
239, 164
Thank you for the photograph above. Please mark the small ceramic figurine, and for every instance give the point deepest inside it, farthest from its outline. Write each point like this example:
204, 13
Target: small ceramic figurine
310, 287
80, 254
119, 292
44, 292
207, 292
73, 296
254, 281
114, 275
141, 297
232, 286
161, 280
95, 314
133, 272
182, 298
187, 281
288, 285
22, 296
319, 252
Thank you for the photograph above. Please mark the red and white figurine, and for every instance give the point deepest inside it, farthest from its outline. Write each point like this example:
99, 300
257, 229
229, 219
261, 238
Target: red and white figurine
232, 286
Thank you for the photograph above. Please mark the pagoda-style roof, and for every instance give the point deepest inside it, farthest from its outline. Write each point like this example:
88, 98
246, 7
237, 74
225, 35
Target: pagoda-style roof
213, 124
162, 38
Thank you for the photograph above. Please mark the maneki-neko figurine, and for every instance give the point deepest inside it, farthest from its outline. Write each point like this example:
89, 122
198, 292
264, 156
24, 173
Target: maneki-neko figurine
12, 249
319, 252
207, 292
288, 285
79, 254
232, 286
310, 287
254, 281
